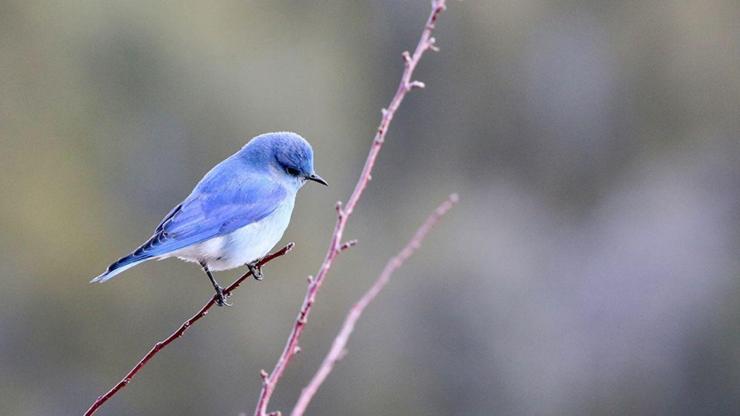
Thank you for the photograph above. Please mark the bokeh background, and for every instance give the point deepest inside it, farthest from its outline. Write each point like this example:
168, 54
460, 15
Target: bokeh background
591, 267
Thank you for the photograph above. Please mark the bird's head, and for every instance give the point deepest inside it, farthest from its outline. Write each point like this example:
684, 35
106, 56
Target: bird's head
287, 154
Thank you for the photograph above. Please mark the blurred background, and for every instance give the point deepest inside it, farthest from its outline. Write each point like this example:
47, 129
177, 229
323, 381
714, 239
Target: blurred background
591, 267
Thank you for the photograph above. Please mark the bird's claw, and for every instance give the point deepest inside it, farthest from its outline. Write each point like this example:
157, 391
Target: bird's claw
221, 297
256, 271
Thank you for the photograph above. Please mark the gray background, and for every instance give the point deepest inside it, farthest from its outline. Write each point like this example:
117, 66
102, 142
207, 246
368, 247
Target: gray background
591, 267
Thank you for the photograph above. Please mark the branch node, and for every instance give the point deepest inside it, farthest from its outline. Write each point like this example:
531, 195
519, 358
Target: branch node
340, 211
264, 375
406, 57
415, 84
347, 244
297, 349
309, 279
432, 44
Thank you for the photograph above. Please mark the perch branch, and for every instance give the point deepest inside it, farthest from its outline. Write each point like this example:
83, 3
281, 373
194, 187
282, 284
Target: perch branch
338, 347
178, 333
336, 246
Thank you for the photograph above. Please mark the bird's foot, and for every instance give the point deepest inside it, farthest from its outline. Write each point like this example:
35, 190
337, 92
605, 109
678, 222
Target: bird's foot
221, 297
256, 270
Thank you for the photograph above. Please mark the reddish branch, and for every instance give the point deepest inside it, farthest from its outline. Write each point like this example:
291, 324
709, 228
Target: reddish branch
338, 347
178, 333
426, 42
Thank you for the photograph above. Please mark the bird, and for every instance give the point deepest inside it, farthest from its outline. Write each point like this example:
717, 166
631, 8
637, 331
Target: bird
236, 213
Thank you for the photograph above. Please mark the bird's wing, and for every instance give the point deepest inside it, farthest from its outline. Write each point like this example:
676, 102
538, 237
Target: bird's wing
217, 206
221, 203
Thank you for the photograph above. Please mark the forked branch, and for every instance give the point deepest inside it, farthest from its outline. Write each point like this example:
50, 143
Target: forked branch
339, 346
336, 246
159, 346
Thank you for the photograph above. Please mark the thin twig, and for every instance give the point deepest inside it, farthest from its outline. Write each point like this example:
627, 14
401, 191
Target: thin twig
178, 333
338, 347
426, 42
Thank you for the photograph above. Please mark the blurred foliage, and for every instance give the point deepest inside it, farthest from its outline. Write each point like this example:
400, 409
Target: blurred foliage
591, 268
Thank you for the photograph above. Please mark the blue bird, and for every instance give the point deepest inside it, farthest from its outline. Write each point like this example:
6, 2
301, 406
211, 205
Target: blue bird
236, 213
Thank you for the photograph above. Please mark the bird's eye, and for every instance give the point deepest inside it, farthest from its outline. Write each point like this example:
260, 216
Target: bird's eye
291, 171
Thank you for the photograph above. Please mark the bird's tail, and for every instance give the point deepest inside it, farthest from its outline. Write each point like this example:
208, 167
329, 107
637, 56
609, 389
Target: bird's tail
121, 266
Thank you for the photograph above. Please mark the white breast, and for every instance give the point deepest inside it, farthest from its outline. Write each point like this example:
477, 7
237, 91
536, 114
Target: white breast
242, 246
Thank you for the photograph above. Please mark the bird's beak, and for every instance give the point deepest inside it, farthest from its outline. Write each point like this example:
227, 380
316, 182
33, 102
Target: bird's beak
316, 178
